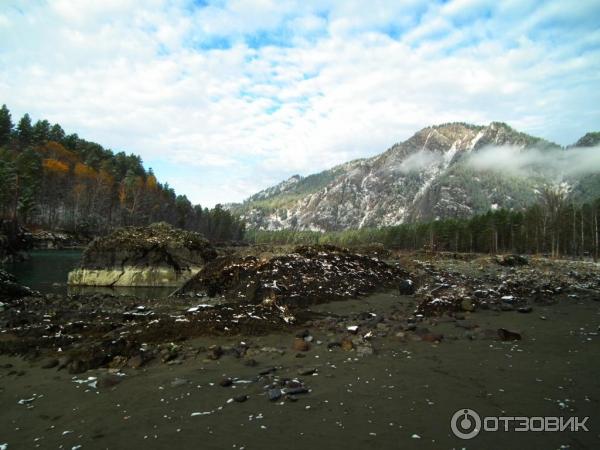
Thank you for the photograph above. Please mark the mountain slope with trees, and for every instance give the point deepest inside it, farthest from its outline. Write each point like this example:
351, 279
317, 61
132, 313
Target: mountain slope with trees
53, 180
427, 177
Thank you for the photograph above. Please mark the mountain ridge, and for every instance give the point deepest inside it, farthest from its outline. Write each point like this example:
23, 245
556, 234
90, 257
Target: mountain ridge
428, 176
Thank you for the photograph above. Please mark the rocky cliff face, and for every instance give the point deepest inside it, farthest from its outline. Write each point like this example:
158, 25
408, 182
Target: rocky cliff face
426, 177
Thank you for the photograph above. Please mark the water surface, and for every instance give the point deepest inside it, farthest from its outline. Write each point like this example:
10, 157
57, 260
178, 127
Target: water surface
47, 271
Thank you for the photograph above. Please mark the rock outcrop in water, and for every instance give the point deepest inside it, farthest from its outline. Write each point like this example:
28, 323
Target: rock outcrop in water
308, 275
156, 255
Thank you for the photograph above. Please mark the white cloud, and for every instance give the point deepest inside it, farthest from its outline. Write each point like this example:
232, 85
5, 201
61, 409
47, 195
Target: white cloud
245, 93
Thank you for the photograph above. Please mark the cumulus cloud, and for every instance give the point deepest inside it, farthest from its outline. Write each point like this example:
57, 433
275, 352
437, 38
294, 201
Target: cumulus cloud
245, 93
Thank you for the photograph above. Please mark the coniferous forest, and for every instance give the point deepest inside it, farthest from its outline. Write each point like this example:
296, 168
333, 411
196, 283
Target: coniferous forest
54, 180
553, 226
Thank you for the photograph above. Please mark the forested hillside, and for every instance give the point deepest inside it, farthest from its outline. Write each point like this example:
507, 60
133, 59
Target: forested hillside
552, 226
54, 180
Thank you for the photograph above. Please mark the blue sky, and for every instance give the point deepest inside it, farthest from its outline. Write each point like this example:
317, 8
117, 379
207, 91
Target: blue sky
223, 98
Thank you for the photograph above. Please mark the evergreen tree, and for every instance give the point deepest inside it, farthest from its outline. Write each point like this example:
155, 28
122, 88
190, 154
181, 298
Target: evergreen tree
6, 125
25, 131
57, 134
41, 131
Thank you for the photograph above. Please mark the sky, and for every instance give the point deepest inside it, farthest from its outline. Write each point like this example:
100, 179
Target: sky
224, 98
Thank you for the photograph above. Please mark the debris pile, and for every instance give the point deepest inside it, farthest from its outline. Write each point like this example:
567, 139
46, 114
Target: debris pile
306, 276
453, 288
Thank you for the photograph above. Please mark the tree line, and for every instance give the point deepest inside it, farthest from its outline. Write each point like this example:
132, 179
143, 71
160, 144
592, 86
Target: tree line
54, 180
552, 226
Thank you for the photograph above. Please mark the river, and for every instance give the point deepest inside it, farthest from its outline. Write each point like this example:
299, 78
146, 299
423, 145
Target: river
47, 271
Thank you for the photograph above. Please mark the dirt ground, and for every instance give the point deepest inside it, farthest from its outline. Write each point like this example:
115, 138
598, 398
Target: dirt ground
395, 389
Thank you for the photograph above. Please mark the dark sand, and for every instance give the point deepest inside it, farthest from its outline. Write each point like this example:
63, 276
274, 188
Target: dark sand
403, 396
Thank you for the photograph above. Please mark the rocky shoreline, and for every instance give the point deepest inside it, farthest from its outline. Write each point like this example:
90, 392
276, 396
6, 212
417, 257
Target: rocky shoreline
88, 331
378, 364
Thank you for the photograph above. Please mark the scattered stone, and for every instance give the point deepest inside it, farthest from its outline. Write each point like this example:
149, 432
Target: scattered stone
525, 309
226, 382
507, 335
240, 398
300, 345
347, 344
307, 372
406, 287
295, 390
267, 371
274, 394
215, 352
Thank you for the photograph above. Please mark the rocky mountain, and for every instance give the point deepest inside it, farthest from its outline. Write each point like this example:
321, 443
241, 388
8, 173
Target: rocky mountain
442, 171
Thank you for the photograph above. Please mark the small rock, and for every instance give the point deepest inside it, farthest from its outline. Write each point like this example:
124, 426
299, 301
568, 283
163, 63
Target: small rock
307, 372
215, 352
507, 335
226, 382
295, 390
525, 309
267, 371
274, 394
406, 287
300, 345
240, 398
347, 344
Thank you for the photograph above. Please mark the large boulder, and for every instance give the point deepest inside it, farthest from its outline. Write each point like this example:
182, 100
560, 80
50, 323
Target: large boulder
156, 255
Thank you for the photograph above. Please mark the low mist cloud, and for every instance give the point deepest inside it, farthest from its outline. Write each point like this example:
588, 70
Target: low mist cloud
519, 162
419, 161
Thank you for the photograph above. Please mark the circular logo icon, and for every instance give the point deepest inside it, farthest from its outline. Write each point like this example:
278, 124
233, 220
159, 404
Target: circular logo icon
465, 424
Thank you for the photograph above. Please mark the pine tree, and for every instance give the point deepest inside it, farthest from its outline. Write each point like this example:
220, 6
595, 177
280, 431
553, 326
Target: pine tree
25, 131
6, 125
